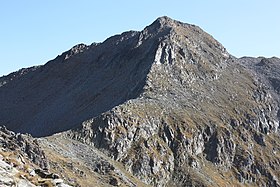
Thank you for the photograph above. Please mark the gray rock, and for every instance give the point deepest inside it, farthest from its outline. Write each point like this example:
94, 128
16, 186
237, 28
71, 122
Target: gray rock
168, 103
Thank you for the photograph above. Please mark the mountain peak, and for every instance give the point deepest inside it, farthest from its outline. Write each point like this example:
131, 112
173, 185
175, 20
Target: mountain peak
165, 22
99, 71
167, 105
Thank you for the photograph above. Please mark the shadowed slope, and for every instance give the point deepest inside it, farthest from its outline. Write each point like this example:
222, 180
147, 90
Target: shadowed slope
82, 82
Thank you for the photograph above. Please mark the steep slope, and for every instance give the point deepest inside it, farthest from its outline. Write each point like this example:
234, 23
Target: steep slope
203, 118
169, 105
85, 81
267, 70
77, 85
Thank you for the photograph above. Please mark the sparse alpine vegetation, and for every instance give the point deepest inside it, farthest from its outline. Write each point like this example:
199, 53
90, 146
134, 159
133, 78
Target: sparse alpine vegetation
165, 106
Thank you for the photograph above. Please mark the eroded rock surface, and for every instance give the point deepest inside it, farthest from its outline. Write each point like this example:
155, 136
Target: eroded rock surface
202, 117
166, 106
24, 163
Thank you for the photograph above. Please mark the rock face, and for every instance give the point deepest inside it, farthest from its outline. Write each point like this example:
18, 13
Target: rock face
24, 144
23, 162
169, 104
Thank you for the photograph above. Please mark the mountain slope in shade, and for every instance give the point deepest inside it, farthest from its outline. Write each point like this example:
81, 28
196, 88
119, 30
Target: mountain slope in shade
169, 105
78, 84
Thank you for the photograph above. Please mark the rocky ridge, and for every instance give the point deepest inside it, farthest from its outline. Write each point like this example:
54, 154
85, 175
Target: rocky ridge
196, 108
167, 105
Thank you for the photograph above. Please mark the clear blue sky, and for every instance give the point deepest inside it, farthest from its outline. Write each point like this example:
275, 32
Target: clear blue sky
33, 32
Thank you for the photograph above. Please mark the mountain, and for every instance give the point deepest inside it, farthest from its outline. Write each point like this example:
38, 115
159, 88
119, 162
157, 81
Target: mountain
166, 106
88, 80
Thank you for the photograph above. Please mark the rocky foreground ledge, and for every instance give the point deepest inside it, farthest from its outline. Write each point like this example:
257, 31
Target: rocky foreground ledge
56, 161
23, 163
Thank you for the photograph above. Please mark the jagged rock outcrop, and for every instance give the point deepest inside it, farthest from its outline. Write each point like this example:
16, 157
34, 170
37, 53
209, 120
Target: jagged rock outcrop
25, 144
23, 162
168, 105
